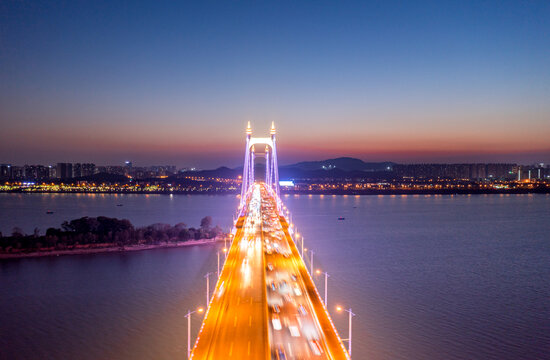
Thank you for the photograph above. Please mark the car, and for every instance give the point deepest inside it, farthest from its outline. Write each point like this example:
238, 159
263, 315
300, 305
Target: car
315, 347
302, 310
270, 266
276, 322
281, 354
221, 289
276, 309
294, 331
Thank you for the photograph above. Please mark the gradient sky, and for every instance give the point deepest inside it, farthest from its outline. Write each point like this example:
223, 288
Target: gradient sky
175, 82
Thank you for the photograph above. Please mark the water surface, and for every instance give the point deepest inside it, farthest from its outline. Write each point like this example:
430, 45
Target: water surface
429, 277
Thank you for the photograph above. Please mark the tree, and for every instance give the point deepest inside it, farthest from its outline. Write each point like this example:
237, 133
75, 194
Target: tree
17, 232
184, 235
206, 222
215, 231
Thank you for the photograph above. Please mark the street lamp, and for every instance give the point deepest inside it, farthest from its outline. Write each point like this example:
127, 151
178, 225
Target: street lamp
326, 281
298, 238
311, 252
188, 316
351, 315
207, 276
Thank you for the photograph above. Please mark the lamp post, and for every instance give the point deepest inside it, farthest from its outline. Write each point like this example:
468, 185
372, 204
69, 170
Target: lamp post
351, 315
326, 282
218, 264
298, 239
188, 316
207, 276
311, 252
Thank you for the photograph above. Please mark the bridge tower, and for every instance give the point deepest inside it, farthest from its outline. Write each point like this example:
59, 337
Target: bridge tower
271, 167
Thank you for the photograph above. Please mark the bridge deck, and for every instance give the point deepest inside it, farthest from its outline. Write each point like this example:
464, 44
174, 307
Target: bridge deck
259, 313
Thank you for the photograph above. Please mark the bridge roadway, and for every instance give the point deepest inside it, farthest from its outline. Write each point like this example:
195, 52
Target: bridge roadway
265, 304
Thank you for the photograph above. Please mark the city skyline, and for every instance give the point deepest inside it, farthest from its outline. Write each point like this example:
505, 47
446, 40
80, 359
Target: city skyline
176, 83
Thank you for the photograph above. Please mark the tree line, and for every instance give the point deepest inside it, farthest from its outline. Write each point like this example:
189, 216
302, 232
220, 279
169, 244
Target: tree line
103, 231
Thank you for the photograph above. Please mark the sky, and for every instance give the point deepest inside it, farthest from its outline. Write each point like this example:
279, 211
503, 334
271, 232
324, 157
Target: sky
175, 82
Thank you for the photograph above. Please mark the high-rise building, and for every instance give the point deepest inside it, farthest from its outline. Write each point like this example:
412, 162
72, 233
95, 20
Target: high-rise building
36, 172
64, 171
52, 172
88, 169
5, 171
77, 170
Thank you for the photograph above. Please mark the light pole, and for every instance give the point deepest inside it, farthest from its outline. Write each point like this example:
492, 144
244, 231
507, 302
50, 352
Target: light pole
298, 239
351, 315
207, 276
188, 316
218, 264
326, 282
311, 252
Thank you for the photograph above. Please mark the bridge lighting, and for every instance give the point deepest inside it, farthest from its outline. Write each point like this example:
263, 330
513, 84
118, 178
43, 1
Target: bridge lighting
351, 315
188, 316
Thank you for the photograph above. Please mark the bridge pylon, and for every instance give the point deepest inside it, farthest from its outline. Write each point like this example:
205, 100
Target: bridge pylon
271, 166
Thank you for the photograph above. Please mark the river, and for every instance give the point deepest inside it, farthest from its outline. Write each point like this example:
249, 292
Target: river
428, 276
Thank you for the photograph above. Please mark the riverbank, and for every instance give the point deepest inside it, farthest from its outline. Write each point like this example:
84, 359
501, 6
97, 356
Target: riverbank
525, 189
107, 249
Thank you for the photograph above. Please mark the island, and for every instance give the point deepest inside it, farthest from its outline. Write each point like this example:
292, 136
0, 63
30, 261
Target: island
88, 235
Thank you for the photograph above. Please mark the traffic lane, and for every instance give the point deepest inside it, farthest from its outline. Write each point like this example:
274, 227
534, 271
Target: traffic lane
219, 302
232, 338
331, 338
295, 264
248, 307
289, 314
232, 299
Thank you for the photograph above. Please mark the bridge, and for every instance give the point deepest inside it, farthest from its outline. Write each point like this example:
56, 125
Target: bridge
265, 304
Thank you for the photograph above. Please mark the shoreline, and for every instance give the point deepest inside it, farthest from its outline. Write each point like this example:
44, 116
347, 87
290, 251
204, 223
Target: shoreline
539, 190
107, 249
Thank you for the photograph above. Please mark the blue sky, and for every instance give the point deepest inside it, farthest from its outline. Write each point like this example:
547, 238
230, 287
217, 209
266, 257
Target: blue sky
175, 82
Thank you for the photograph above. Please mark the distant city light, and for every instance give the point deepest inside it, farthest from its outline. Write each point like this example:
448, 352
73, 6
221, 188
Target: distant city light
287, 183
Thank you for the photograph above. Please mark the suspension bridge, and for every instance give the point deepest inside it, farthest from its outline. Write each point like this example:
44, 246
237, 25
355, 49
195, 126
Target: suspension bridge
265, 304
